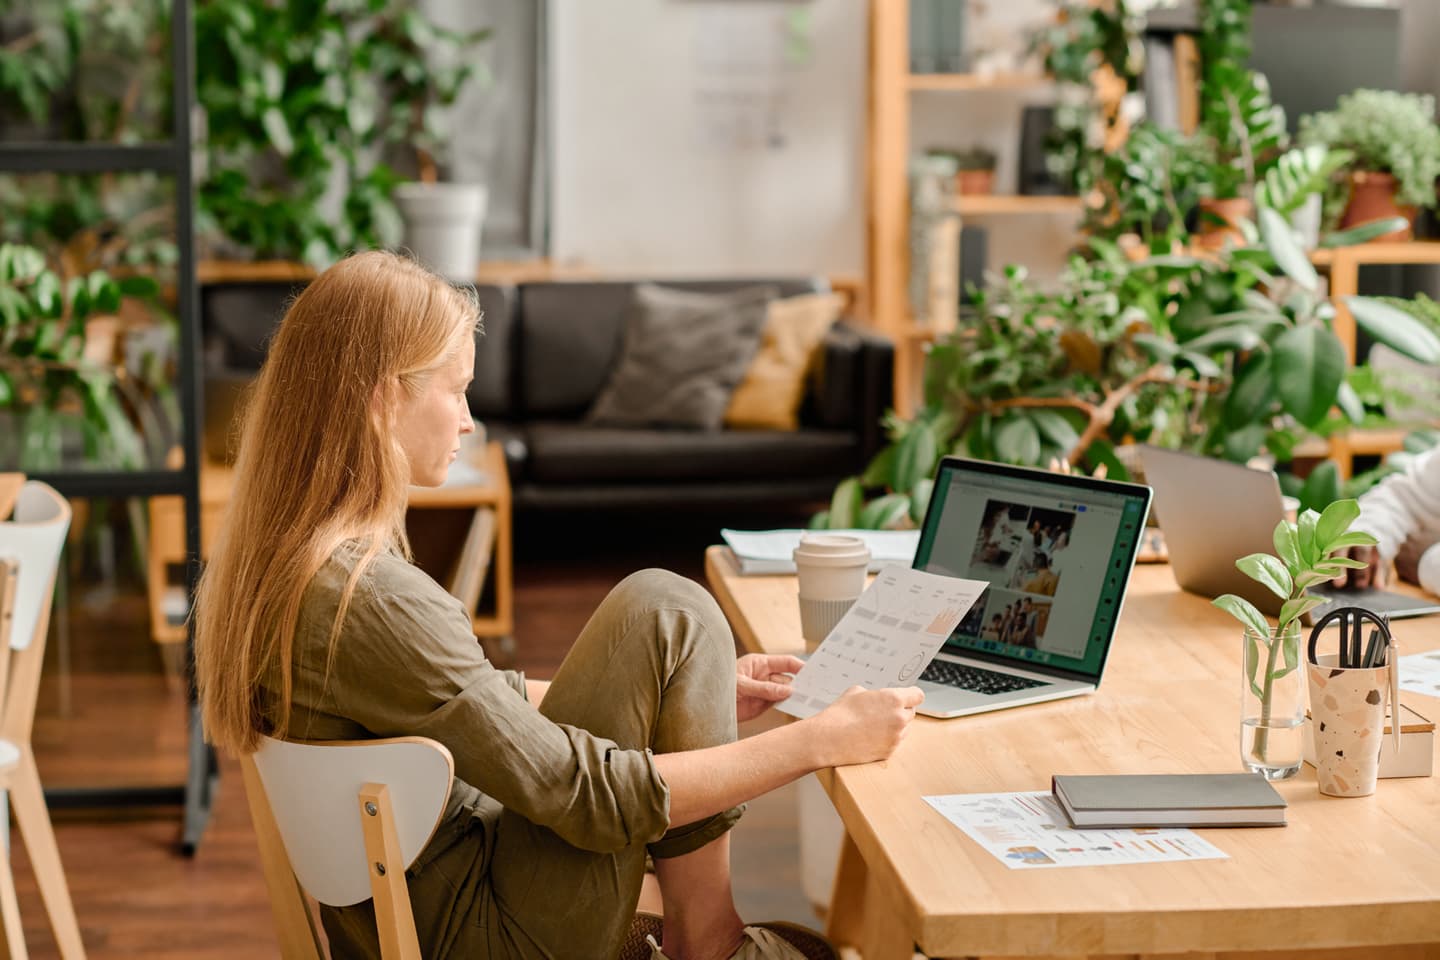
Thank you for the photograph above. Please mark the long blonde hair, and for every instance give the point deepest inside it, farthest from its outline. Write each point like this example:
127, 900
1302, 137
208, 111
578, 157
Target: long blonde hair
318, 465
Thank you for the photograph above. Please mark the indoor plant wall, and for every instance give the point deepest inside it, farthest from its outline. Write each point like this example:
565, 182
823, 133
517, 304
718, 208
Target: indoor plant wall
1229, 355
306, 104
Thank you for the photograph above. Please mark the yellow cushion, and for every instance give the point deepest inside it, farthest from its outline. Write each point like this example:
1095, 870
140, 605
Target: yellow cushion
769, 396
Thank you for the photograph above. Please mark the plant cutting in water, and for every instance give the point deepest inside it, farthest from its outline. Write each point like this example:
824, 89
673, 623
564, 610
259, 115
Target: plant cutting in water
1309, 551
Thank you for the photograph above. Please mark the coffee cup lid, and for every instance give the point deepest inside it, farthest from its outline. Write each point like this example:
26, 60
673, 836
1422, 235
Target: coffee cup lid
831, 548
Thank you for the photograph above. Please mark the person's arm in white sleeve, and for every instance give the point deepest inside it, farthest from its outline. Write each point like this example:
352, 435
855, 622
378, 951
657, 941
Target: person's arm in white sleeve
1403, 506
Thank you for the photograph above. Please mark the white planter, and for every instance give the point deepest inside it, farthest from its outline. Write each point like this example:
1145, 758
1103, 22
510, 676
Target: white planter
442, 225
821, 836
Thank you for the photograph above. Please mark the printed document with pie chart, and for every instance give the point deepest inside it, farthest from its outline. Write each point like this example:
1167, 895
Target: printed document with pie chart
886, 639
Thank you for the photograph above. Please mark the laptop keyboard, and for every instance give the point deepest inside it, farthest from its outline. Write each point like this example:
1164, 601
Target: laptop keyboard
975, 679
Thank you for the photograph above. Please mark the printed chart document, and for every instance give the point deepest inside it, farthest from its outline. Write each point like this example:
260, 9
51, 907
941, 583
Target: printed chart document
886, 639
1420, 673
1027, 830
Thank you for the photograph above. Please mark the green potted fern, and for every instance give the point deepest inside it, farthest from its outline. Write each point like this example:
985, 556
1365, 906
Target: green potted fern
1308, 551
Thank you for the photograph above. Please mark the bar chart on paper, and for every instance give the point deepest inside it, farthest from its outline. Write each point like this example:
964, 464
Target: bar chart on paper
1027, 830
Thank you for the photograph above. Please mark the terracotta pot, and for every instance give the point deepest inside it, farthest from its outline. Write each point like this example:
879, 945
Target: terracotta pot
1230, 211
971, 182
1372, 197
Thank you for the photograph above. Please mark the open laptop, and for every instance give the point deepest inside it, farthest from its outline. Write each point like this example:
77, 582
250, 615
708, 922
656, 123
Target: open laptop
1057, 552
1213, 513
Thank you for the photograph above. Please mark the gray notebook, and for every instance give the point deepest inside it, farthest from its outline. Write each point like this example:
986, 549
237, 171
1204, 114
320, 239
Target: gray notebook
1170, 800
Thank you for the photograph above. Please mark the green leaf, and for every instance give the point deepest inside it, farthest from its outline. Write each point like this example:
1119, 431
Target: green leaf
1017, 440
1321, 490
916, 457
1305, 528
1364, 233
882, 513
1350, 403
1354, 538
278, 131
821, 521
1334, 522
1309, 368
1286, 546
1347, 562
920, 499
881, 470
1102, 452
1291, 650
139, 286
1311, 577
1244, 611
7, 392
1396, 329
1054, 427
845, 504
1252, 392
1297, 607
1289, 257
1267, 571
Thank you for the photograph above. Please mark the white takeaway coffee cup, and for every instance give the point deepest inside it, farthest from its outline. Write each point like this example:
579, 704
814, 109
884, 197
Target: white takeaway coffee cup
831, 568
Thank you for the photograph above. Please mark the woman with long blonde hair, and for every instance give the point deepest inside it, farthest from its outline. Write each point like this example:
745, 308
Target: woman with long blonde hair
311, 623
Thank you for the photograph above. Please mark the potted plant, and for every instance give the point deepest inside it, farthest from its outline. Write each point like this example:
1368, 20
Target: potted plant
442, 219
1243, 130
305, 106
1308, 551
1227, 356
1396, 147
975, 172
61, 405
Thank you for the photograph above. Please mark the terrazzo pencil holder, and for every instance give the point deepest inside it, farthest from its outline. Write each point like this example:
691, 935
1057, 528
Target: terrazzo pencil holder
1347, 707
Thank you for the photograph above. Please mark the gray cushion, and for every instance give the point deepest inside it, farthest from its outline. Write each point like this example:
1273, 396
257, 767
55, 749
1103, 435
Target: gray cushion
683, 355
573, 453
570, 335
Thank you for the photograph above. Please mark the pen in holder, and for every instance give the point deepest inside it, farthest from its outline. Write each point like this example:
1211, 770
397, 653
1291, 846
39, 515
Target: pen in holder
1348, 691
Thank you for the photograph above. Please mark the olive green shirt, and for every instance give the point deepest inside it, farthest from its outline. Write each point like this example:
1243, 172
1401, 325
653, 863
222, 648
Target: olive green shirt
406, 663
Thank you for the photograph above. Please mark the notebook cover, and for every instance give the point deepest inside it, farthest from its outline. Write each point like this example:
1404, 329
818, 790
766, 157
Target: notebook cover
1197, 791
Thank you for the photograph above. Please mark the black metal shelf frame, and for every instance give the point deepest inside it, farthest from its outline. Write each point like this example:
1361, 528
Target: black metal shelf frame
174, 158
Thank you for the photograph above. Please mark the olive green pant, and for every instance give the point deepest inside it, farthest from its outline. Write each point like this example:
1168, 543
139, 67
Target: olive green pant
654, 668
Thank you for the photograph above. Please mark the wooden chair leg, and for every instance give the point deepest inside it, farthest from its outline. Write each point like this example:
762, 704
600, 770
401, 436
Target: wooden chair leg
34, 819
13, 943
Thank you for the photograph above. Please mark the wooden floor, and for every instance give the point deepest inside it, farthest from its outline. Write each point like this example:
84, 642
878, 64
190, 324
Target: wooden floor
108, 716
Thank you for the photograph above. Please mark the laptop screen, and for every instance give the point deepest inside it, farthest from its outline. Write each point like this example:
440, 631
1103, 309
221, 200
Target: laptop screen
1057, 551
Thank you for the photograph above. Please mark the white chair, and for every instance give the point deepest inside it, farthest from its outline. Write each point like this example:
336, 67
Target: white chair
30, 544
344, 820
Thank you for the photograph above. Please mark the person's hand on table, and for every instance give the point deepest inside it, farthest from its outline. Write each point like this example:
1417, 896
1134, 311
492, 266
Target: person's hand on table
761, 681
1361, 578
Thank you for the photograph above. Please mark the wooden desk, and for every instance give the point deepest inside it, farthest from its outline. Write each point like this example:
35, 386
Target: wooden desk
1355, 876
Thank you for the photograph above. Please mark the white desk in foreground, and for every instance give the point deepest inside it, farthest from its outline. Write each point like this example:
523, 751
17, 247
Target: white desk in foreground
1353, 879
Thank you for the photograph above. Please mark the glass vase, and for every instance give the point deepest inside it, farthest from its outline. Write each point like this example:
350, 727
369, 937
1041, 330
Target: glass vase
1272, 702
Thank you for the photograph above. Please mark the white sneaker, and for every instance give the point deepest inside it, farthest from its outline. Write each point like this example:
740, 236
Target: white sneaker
759, 944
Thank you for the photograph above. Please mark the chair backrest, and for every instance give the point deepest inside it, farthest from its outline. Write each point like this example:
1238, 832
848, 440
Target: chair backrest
313, 790
33, 538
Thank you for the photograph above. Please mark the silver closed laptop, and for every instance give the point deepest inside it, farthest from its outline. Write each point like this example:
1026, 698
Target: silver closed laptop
1213, 512
1057, 551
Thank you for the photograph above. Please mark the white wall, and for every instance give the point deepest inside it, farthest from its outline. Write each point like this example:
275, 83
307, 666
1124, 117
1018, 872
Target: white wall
639, 188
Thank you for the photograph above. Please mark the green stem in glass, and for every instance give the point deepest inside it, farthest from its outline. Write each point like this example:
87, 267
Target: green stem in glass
1262, 732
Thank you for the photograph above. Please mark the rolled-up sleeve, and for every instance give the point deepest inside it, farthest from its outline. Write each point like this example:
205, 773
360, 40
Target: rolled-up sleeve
409, 665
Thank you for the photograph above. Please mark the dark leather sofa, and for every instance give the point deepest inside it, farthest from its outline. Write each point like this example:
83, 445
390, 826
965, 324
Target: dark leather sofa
547, 350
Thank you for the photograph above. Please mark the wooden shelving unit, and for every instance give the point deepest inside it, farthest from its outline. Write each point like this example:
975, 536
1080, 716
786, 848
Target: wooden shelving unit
1343, 265
976, 81
887, 253
990, 205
